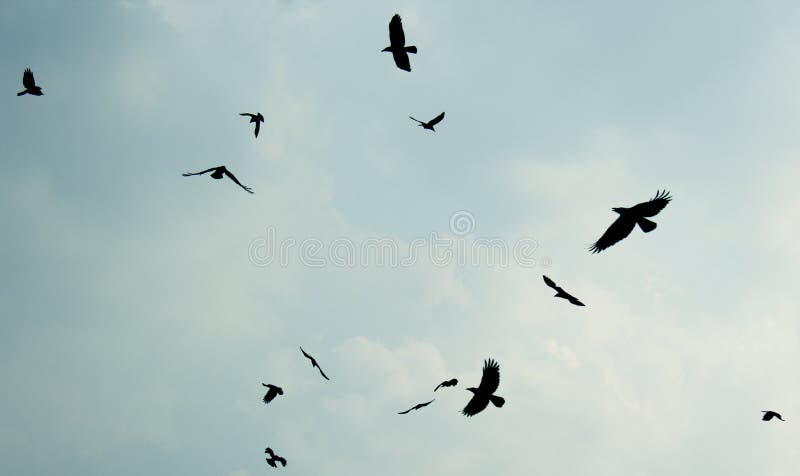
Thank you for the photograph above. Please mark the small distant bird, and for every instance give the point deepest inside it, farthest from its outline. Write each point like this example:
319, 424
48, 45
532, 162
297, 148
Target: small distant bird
416, 407
30, 84
429, 125
561, 293
485, 391
769, 414
630, 217
257, 118
273, 458
314, 363
218, 173
447, 383
272, 392
397, 44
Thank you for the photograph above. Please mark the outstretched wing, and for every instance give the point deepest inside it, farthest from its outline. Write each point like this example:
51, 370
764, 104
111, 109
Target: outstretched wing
281, 460
396, 36
618, 230
321, 372
436, 120
401, 60
475, 405
491, 377
424, 404
27, 79
189, 174
269, 452
551, 283
574, 300
652, 207
247, 114
233, 177
403, 413
415, 120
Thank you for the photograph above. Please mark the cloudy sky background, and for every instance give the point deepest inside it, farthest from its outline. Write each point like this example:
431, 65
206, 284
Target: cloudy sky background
137, 329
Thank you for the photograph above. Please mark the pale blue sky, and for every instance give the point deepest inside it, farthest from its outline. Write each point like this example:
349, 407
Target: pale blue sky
137, 331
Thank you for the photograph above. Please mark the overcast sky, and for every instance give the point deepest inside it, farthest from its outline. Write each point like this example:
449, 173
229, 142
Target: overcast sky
140, 314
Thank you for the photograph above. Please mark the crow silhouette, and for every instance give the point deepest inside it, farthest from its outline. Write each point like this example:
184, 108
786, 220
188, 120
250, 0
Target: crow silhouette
447, 383
397, 44
219, 172
273, 458
416, 407
561, 293
485, 391
314, 363
30, 84
629, 218
257, 118
429, 125
272, 392
769, 415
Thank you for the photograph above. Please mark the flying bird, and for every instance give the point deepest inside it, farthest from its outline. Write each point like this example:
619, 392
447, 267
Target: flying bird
561, 293
273, 458
257, 118
769, 414
429, 125
314, 363
416, 407
218, 173
485, 391
629, 218
272, 392
397, 44
30, 84
447, 383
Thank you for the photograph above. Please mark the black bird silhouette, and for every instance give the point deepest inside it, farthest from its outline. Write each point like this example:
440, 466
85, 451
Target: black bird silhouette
429, 125
314, 363
447, 383
257, 118
416, 407
397, 44
561, 293
769, 414
30, 84
273, 458
272, 392
485, 391
218, 173
630, 217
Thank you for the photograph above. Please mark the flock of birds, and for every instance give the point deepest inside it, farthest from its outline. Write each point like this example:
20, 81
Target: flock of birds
484, 393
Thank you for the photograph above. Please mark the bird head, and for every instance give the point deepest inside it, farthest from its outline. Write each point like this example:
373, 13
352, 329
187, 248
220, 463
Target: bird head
388, 48
618, 210
472, 389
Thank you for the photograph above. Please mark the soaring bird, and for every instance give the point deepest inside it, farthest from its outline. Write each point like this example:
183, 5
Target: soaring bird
630, 217
397, 44
273, 458
257, 118
485, 391
447, 383
30, 84
561, 293
429, 125
218, 173
416, 407
769, 414
314, 363
272, 392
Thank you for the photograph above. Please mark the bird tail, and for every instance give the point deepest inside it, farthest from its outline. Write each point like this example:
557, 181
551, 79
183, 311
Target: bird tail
410, 49
497, 401
646, 225
23, 92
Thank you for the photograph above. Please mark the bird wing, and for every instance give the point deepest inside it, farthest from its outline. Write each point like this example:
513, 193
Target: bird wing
403, 413
574, 300
269, 452
321, 372
270, 396
251, 116
258, 126
282, 460
27, 79
424, 404
396, 35
550, 283
401, 60
307, 356
189, 174
415, 120
491, 377
441, 384
475, 405
436, 120
233, 177
618, 230
652, 207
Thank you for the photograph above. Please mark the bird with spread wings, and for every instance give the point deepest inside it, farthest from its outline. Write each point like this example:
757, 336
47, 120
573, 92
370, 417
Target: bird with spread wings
429, 125
561, 293
314, 363
416, 407
219, 172
629, 218
769, 415
30, 84
273, 392
273, 458
484, 394
447, 383
257, 118
397, 44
